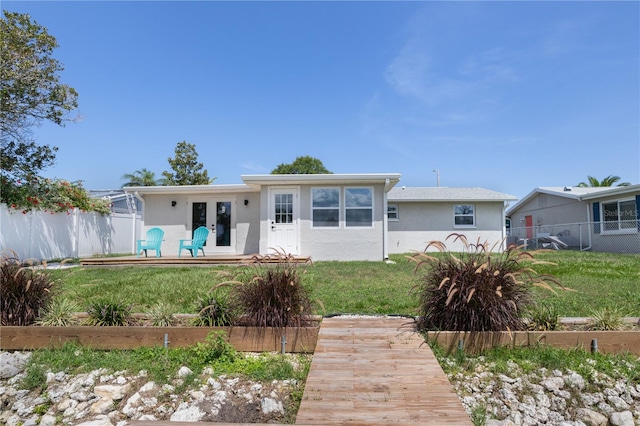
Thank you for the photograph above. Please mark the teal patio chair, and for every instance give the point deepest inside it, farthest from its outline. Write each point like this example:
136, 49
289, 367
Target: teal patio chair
153, 242
196, 243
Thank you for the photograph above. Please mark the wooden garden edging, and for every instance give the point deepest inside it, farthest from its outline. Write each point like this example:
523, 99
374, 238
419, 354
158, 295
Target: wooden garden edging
244, 339
606, 341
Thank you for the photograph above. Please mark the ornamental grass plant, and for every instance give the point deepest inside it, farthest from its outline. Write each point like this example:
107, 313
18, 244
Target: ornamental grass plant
271, 293
25, 290
478, 289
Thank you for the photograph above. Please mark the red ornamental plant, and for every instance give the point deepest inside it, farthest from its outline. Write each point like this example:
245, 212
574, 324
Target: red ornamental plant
55, 195
478, 289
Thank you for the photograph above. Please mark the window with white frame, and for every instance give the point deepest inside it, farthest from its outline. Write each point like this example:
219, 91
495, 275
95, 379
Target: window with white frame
358, 204
392, 212
325, 207
619, 215
464, 215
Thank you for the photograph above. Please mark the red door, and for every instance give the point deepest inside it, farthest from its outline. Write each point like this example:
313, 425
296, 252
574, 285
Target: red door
528, 222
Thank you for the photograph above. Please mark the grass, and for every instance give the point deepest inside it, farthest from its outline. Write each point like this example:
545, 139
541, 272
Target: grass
599, 280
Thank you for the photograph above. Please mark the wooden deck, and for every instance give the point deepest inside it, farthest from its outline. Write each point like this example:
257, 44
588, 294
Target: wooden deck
185, 260
376, 371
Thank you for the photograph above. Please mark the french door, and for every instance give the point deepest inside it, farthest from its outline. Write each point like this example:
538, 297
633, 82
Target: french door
218, 215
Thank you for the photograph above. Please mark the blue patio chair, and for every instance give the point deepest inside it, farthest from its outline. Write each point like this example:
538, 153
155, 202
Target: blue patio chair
196, 243
153, 242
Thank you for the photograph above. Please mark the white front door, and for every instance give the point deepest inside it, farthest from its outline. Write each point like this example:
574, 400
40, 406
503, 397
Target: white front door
217, 214
283, 221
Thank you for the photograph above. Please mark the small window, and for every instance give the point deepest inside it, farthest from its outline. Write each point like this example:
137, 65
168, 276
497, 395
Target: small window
358, 206
392, 212
325, 207
464, 215
619, 215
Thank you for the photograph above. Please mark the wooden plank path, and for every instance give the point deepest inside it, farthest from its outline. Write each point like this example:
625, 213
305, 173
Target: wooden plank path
376, 371
372, 371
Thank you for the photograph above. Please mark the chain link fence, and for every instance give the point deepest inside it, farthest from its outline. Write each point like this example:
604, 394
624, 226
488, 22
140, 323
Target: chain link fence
609, 237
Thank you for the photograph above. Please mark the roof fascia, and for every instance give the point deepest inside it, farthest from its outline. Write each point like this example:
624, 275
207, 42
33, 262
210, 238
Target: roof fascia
539, 190
617, 190
190, 189
388, 179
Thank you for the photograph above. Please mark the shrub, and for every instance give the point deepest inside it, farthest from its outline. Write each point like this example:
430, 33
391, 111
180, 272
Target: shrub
607, 319
478, 289
543, 318
53, 195
213, 311
160, 315
25, 291
109, 313
273, 294
60, 312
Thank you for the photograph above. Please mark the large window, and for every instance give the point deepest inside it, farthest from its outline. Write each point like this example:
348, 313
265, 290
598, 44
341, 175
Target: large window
358, 204
464, 215
325, 207
619, 215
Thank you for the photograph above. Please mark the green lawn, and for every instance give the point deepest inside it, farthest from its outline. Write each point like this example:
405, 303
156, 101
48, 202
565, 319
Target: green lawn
597, 280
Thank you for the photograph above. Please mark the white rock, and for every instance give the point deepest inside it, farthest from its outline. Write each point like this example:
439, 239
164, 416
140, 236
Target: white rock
102, 406
147, 418
13, 363
590, 417
269, 406
617, 403
184, 372
553, 384
624, 418
47, 420
574, 380
187, 413
197, 395
148, 387
114, 392
102, 421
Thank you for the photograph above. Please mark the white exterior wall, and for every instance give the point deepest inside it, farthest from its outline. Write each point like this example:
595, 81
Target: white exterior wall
175, 221
422, 222
339, 243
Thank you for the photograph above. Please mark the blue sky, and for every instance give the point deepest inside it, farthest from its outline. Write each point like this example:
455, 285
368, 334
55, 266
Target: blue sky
503, 95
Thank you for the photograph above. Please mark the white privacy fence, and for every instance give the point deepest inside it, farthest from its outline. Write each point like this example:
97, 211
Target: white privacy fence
44, 236
609, 237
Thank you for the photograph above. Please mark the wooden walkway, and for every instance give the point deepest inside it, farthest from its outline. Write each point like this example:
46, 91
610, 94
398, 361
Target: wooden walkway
376, 371
372, 371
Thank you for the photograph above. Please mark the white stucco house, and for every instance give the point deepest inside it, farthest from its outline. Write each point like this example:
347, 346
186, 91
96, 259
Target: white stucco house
323, 216
587, 218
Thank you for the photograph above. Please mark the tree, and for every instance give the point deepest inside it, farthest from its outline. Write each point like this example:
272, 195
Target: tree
142, 177
608, 181
187, 170
30, 92
304, 165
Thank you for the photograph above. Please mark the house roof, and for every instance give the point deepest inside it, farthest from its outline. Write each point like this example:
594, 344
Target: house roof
189, 189
446, 194
616, 190
577, 193
389, 179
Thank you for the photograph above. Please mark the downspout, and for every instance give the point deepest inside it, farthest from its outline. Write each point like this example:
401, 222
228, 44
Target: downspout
133, 240
588, 228
385, 223
504, 226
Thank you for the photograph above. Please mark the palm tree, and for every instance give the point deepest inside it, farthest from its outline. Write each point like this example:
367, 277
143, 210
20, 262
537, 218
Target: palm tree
142, 177
608, 181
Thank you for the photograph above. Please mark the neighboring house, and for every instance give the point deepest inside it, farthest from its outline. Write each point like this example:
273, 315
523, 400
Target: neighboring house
120, 201
420, 215
325, 216
586, 218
